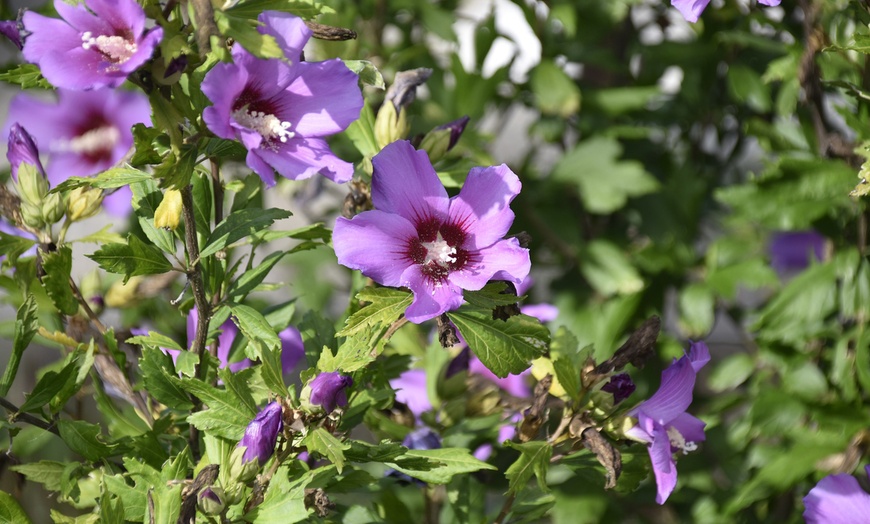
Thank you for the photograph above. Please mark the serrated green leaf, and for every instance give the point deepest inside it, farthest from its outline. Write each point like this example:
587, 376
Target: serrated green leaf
27, 76
385, 451
45, 472
11, 511
26, 325
534, 460
240, 224
84, 438
131, 259
156, 340
160, 382
226, 417
49, 385
491, 296
146, 199
367, 72
253, 277
305, 9
443, 464
284, 502
13, 246
254, 326
362, 133
58, 266
272, 370
243, 31
103, 236
504, 347
109, 179
321, 441
385, 306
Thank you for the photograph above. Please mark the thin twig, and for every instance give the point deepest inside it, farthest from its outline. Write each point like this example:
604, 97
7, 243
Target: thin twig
505, 509
25, 417
87, 307
203, 14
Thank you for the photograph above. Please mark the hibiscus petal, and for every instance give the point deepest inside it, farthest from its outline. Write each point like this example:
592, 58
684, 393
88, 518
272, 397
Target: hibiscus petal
410, 389
405, 183
222, 85
664, 467
48, 35
290, 31
675, 393
483, 204
77, 69
267, 78
690, 427
690, 9
504, 260
430, 300
298, 159
323, 99
120, 14
119, 203
837, 499
375, 243
259, 166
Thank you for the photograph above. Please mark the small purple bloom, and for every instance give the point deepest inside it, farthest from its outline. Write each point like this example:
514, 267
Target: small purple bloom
419, 238
11, 29
663, 422
793, 250
22, 150
282, 111
692, 9
97, 44
84, 133
837, 499
328, 390
620, 386
262, 434
410, 389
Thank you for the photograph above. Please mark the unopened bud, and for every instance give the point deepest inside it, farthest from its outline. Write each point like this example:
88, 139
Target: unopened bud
21, 149
325, 392
262, 434
210, 500
83, 203
240, 469
32, 186
390, 125
168, 213
31, 215
443, 138
53, 208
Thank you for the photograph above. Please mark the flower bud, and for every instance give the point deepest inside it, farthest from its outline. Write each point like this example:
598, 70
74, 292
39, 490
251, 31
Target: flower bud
443, 138
22, 150
423, 438
32, 215
53, 208
262, 434
210, 500
32, 186
168, 213
241, 470
11, 29
326, 391
83, 203
390, 125
620, 386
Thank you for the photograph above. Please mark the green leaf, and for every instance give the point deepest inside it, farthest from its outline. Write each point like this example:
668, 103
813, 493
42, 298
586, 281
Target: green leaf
534, 460
103, 236
27, 76
45, 472
362, 133
109, 179
305, 9
491, 296
84, 361
321, 441
272, 371
11, 511
155, 340
504, 347
385, 451
13, 246
50, 385
605, 182
697, 310
253, 277
58, 266
367, 72
131, 259
745, 86
385, 306
227, 415
609, 270
254, 326
441, 464
555, 92
159, 379
143, 144
84, 438
244, 32
176, 170
238, 225
26, 325
146, 199
166, 117
284, 502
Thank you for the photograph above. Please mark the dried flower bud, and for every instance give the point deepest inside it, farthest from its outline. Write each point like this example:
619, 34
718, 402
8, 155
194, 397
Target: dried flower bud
262, 434
403, 91
326, 391
621, 386
83, 203
210, 500
168, 213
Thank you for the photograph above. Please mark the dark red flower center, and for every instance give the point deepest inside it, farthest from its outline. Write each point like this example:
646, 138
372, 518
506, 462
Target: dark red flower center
437, 248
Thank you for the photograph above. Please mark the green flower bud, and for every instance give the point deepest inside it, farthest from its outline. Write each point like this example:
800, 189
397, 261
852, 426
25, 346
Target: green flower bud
32, 186
436, 143
53, 208
241, 469
168, 213
32, 215
390, 125
83, 203
210, 500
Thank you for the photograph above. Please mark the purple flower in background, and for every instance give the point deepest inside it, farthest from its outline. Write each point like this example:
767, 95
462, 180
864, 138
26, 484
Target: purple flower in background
262, 434
328, 390
837, 499
516, 385
11, 29
793, 250
621, 386
97, 44
410, 389
662, 421
692, 9
22, 150
507, 431
281, 111
418, 237
422, 438
543, 312
84, 133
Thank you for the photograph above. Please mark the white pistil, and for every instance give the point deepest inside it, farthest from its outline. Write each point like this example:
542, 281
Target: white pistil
92, 141
680, 442
117, 48
268, 126
439, 252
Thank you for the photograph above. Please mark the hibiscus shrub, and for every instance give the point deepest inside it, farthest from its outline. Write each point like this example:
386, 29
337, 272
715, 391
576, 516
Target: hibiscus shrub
436, 262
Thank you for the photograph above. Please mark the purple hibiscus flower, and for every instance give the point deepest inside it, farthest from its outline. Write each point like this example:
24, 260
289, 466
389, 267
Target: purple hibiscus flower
328, 390
281, 111
837, 499
97, 44
418, 237
692, 9
84, 133
662, 421
410, 389
792, 251
262, 434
